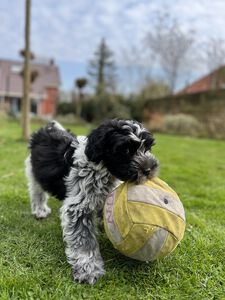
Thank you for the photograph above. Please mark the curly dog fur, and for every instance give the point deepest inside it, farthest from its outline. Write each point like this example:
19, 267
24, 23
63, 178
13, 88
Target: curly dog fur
82, 171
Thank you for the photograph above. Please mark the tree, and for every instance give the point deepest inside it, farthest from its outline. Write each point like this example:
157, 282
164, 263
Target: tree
102, 69
214, 54
80, 83
170, 46
214, 60
26, 77
155, 89
33, 75
137, 66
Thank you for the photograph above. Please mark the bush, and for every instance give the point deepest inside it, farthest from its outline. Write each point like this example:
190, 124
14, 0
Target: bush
69, 119
97, 109
215, 126
177, 124
182, 124
136, 105
65, 108
90, 111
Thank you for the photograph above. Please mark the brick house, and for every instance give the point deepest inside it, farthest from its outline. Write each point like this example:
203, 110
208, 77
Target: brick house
44, 91
211, 82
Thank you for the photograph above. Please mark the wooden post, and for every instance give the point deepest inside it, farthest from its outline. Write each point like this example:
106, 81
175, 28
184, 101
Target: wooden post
26, 77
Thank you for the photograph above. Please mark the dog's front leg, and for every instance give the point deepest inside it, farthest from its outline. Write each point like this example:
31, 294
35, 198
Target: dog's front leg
82, 248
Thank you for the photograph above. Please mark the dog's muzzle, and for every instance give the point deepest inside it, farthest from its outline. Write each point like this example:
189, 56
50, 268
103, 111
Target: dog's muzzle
146, 167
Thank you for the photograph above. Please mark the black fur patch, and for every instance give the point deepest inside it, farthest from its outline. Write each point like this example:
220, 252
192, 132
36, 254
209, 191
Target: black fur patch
51, 158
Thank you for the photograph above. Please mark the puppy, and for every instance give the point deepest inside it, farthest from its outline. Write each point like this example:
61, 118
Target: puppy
82, 171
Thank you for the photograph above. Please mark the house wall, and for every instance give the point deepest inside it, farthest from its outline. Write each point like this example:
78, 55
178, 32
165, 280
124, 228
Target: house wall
47, 106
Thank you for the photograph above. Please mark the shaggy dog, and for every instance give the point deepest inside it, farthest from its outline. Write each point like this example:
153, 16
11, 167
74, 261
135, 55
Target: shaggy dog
82, 171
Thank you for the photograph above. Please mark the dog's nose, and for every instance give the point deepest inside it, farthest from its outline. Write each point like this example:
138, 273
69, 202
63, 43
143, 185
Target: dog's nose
146, 172
154, 165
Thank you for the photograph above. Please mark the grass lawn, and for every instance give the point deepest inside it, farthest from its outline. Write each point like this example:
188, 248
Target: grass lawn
32, 259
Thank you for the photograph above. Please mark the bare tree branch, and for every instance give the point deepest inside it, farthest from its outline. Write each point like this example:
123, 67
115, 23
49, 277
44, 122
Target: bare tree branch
171, 46
214, 54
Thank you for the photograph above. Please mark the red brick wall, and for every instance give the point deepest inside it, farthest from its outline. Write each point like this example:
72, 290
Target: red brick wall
48, 105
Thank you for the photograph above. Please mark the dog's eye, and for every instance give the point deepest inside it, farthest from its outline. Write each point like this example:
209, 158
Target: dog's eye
148, 144
127, 151
131, 150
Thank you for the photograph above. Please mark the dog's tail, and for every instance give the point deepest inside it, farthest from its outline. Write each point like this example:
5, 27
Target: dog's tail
51, 134
54, 125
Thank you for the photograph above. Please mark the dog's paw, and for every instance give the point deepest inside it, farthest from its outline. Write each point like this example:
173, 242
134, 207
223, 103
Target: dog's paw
42, 213
88, 278
87, 274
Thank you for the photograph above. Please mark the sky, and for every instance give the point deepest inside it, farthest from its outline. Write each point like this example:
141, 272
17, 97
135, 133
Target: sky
69, 31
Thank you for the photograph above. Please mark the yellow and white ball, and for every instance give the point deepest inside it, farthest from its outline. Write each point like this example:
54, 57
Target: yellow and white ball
145, 221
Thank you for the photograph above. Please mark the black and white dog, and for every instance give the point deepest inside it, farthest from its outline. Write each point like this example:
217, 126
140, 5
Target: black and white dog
82, 171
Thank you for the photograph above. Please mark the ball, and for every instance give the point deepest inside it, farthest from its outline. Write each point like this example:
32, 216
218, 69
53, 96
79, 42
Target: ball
146, 221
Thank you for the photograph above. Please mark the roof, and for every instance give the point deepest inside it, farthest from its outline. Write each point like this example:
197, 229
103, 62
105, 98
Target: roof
214, 80
11, 83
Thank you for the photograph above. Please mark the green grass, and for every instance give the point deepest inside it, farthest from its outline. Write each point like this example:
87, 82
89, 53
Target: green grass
32, 259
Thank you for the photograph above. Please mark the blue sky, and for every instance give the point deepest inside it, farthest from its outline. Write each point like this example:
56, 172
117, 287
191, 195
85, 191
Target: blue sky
69, 31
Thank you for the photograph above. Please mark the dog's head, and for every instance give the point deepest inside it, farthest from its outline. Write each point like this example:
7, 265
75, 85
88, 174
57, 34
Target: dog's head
124, 148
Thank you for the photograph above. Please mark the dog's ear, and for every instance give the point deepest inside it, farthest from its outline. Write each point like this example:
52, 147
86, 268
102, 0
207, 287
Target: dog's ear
97, 141
149, 139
